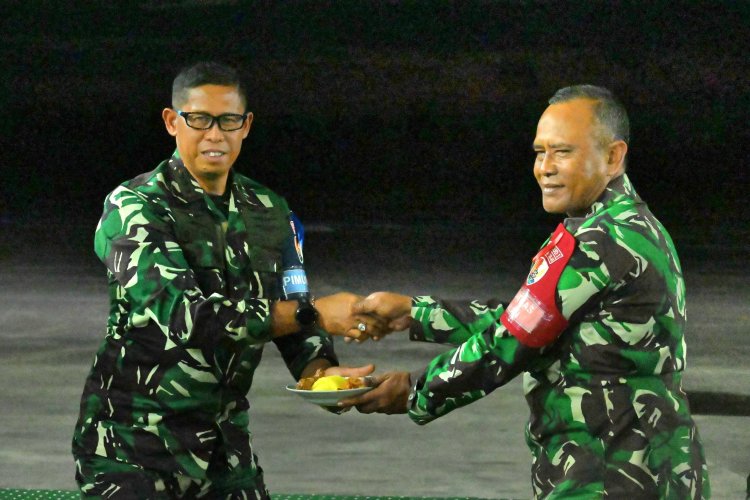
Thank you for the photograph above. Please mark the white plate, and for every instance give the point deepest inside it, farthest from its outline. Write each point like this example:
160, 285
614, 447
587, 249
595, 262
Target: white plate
326, 398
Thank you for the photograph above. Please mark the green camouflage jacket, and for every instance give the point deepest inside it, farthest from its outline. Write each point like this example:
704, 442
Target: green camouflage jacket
608, 414
189, 297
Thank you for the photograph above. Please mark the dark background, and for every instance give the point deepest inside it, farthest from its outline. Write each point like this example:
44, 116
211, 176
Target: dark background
380, 111
407, 127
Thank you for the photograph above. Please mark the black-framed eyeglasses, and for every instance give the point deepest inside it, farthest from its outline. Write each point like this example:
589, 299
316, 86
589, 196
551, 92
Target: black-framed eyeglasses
203, 121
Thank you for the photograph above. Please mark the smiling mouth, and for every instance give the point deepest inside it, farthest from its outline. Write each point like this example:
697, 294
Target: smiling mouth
551, 188
214, 154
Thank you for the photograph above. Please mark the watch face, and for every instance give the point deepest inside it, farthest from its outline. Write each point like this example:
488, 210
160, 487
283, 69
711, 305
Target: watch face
306, 315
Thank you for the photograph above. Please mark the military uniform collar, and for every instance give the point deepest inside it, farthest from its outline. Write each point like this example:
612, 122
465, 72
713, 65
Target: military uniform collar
180, 182
184, 186
619, 190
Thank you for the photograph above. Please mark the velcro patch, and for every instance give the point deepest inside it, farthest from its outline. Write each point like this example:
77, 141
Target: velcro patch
532, 316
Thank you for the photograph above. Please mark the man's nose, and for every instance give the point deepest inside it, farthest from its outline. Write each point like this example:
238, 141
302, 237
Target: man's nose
214, 133
547, 166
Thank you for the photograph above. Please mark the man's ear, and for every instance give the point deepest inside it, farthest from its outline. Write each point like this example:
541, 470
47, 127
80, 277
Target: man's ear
170, 118
246, 126
616, 158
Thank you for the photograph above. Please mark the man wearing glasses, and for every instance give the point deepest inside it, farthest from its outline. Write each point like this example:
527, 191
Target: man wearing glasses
194, 254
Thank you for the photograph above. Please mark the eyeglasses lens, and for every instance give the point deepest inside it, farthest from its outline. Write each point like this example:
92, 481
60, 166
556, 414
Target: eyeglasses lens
231, 122
227, 123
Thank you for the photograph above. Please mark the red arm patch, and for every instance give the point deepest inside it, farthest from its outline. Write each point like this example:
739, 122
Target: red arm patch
532, 316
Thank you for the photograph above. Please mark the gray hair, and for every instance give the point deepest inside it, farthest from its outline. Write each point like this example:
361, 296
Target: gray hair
608, 111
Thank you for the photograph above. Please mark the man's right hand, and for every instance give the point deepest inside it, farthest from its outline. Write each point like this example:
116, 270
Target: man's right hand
338, 317
394, 308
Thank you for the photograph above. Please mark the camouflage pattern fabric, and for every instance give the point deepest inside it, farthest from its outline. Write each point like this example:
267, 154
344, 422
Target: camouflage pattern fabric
190, 291
608, 414
104, 478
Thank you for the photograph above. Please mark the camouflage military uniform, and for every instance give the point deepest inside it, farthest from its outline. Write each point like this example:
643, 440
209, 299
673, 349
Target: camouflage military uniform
189, 290
608, 414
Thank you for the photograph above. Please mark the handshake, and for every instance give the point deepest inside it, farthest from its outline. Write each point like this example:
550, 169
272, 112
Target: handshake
360, 318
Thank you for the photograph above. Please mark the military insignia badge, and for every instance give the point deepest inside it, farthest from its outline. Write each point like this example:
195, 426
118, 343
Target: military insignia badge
299, 235
539, 268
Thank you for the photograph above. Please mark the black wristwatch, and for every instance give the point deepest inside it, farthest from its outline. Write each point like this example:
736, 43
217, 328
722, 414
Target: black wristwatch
306, 314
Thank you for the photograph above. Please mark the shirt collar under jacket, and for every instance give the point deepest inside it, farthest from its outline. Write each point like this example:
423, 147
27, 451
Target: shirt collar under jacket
619, 190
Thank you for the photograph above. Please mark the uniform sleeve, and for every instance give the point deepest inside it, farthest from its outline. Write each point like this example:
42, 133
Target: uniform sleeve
450, 322
301, 348
157, 285
488, 355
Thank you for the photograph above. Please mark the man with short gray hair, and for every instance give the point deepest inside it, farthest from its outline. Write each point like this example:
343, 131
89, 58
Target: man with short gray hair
597, 327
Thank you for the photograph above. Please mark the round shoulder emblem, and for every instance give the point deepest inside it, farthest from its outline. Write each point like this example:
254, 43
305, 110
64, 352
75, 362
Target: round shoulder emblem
538, 270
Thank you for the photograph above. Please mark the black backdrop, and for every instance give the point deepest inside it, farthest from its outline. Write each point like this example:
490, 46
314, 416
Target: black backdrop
375, 111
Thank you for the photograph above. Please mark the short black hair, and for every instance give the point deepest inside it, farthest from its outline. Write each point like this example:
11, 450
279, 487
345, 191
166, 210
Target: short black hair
608, 111
206, 73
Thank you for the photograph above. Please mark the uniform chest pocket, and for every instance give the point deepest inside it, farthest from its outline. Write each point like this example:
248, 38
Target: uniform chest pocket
203, 246
208, 264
